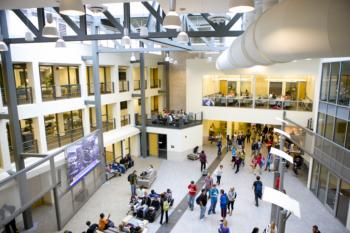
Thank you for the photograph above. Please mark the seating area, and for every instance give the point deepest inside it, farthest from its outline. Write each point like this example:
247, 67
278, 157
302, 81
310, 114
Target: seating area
147, 178
117, 168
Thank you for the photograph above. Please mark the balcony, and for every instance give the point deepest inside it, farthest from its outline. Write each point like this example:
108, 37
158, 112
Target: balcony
156, 83
257, 103
175, 122
29, 146
137, 85
63, 138
123, 86
24, 95
106, 125
105, 88
60, 92
125, 120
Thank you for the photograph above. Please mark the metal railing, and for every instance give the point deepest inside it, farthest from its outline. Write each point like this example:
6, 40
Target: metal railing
125, 120
123, 86
24, 95
137, 85
106, 125
258, 103
56, 140
60, 92
29, 146
105, 88
176, 121
156, 83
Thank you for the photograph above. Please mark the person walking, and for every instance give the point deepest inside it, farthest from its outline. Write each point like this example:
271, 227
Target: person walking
224, 227
233, 154
202, 200
203, 160
248, 135
231, 196
213, 195
192, 190
255, 230
228, 143
132, 178
315, 229
208, 181
223, 203
164, 208
219, 146
257, 186
218, 174
238, 163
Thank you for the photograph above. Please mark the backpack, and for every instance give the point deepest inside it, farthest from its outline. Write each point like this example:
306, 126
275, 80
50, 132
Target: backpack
198, 200
258, 187
166, 205
129, 177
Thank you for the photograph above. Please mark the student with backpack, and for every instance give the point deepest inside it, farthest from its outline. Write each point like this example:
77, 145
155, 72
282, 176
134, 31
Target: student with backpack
257, 186
223, 203
164, 208
202, 200
132, 178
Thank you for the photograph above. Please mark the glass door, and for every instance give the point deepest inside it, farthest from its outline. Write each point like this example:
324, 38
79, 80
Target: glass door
332, 188
343, 202
315, 176
322, 185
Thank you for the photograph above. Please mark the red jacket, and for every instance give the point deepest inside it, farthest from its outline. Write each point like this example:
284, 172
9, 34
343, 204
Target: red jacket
192, 189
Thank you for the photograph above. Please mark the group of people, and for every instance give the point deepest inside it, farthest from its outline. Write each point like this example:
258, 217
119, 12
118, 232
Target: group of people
121, 166
172, 117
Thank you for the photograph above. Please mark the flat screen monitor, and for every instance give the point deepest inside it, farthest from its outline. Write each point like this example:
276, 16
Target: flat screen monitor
82, 157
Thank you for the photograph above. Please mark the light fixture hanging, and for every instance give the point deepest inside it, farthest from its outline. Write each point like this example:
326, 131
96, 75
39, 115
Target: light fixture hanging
172, 19
182, 37
72, 7
50, 29
126, 41
132, 58
3, 45
167, 58
28, 36
241, 6
60, 43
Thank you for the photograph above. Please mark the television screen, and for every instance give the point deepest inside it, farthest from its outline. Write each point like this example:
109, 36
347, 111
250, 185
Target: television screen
82, 157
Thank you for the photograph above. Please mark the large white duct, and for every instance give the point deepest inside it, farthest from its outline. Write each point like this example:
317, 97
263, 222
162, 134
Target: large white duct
292, 30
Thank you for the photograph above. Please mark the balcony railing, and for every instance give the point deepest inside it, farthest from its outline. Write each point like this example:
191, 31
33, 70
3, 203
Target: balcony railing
29, 146
176, 121
24, 95
125, 120
106, 125
56, 140
105, 88
258, 103
156, 83
137, 85
60, 92
123, 86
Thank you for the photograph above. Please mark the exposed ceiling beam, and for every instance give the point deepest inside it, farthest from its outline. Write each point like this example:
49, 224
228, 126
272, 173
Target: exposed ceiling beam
114, 22
27, 22
170, 43
194, 28
233, 21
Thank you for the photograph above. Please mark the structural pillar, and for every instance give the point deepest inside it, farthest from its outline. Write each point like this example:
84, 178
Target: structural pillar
15, 127
143, 105
167, 84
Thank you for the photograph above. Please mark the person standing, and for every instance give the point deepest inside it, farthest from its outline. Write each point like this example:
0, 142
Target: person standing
164, 208
192, 190
11, 225
315, 229
219, 145
233, 154
203, 160
257, 186
213, 195
223, 203
208, 181
248, 136
218, 174
132, 178
202, 200
238, 163
231, 196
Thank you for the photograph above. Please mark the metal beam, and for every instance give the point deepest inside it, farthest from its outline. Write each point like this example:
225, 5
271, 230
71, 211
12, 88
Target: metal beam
137, 50
27, 22
143, 105
89, 102
153, 12
113, 21
41, 20
233, 21
127, 16
83, 24
194, 28
171, 43
33, 155
70, 22
215, 26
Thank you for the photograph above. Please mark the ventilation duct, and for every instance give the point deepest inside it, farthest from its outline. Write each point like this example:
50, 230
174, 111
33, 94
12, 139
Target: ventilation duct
292, 30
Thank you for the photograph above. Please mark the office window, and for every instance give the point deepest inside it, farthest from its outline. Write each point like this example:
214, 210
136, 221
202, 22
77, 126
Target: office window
325, 82
347, 144
275, 89
344, 86
321, 123
329, 127
333, 84
123, 105
339, 133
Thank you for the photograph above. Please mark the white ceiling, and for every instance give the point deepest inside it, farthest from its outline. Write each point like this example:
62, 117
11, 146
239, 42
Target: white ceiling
190, 6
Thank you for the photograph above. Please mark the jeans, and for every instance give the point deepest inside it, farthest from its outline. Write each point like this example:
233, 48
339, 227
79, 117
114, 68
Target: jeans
191, 201
237, 169
202, 213
218, 179
166, 216
133, 189
212, 207
223, 211
230, 205
203, 165
257, 197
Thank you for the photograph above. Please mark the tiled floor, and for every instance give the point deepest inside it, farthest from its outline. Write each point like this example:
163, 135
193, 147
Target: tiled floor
113, 198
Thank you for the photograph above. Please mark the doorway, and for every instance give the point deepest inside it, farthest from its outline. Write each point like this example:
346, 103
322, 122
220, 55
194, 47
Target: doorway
157, 145
162, 146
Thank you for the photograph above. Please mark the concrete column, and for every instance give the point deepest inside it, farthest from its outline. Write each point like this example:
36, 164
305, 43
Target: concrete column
83, 80
4, 147
60, 121
40, 133
34, 80
56, 77
148, 106
116, 115
86, 121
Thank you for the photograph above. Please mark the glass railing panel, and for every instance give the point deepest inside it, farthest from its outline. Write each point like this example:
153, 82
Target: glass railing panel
60, 92
262, 103
24, 95
105, 88
55, 140
123, 86
125, 120
246, 102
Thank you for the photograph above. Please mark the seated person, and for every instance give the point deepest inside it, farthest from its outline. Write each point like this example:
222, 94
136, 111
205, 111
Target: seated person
153, 194
150, 169
118, 167
124, 228
145, 203
104, 223
91, 227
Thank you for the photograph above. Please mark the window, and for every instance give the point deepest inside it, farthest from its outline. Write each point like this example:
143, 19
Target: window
292, 90
339, 133
347, 144
321, 123
344, 86
333, 84
343, 202
325, 82
123, 105
276, 89
329, 127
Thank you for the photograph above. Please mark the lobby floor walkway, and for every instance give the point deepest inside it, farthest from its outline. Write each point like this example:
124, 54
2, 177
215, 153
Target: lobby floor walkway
114, 195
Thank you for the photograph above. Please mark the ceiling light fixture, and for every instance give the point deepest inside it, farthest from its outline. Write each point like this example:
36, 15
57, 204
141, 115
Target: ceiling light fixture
72, 7
172, 19
241, 6
126, 41
182, 37
167, 58
3, 45
60, 43
132, 58
50, 29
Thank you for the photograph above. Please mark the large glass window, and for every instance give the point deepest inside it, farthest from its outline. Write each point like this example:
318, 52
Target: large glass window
343, 202
329, 127
333, 84
339, 133
275, 89
325, 81
347, 144
314, 176
344, 86
332, 190
321, 123
322, 185
292, 90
